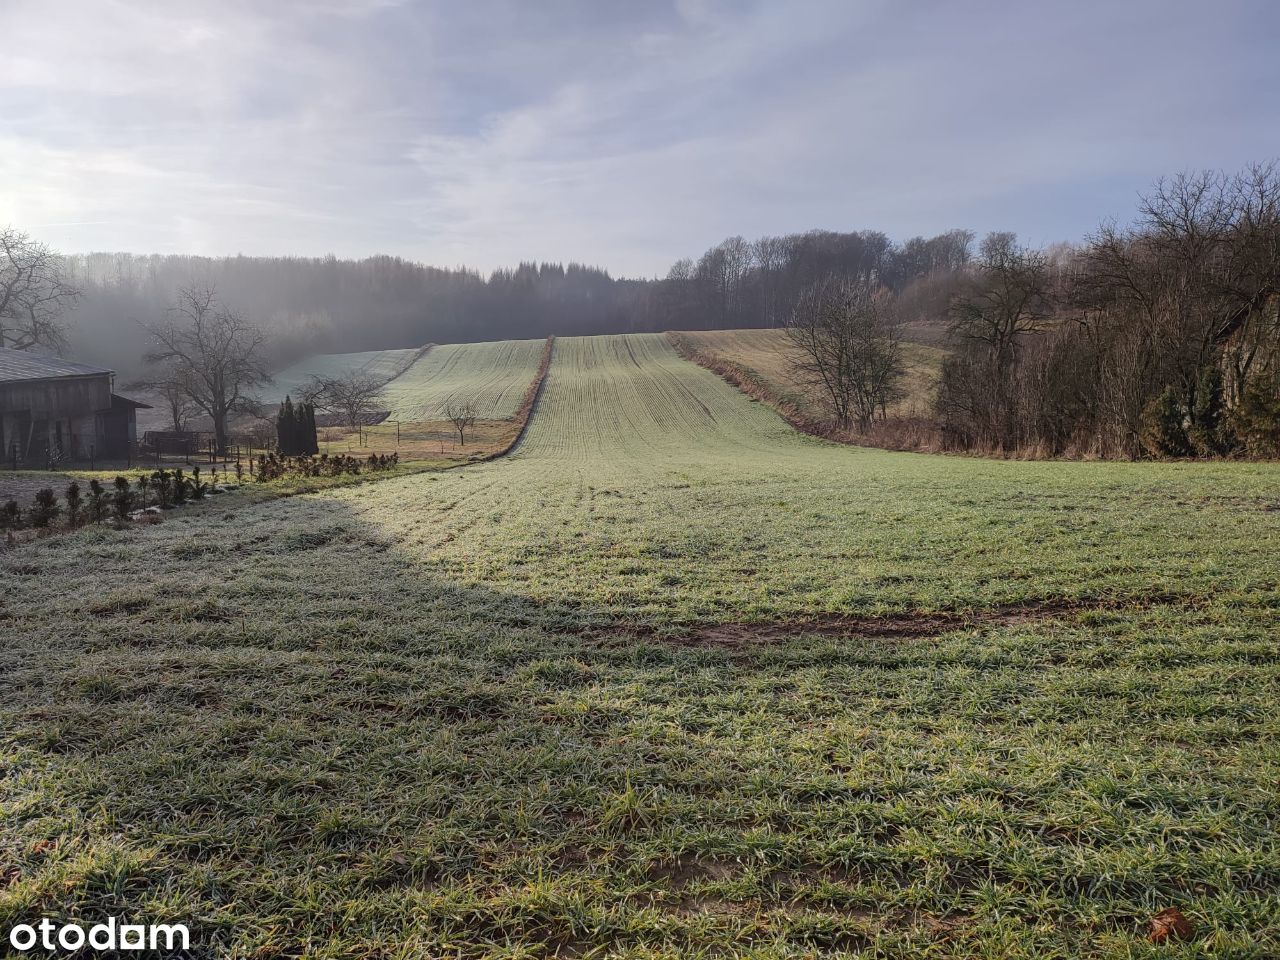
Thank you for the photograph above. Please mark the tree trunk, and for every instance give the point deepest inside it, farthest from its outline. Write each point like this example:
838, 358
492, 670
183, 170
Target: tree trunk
220, 435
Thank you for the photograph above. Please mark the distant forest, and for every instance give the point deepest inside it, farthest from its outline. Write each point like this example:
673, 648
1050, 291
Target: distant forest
327, 305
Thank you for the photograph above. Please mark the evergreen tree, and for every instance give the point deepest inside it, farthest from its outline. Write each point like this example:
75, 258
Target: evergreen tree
1210, 430
1164, 432
310, 442
286, 428
1257, 420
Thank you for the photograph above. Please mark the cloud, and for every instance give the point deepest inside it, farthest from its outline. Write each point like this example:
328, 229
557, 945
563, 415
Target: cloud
618, 133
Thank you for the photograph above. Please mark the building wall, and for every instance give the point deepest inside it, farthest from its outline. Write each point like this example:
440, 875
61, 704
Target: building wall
44, 415
57, 399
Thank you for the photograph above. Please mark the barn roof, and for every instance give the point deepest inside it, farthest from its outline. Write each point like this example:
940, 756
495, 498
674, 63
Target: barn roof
22, 365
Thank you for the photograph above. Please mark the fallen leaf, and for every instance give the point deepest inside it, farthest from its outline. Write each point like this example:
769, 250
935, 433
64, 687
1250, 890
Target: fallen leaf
1170, 924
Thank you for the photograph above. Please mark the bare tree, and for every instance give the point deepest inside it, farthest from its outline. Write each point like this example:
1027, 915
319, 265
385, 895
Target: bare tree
1009, 299
352, 396
215, 354
313, 391
846, 344
770, 255
170, 385
463, 417
1193, 285
34, 293
722, 270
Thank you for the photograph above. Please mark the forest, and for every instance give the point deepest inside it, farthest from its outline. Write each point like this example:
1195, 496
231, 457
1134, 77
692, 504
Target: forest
328, 305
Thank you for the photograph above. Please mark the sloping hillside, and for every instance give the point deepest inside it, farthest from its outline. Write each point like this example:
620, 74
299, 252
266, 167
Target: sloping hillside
491, 376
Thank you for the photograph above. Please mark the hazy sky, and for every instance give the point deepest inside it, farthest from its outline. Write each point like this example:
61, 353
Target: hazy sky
619, 133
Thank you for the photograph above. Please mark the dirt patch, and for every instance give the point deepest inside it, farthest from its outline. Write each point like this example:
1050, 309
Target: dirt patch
900, 626
791, 883
679, 873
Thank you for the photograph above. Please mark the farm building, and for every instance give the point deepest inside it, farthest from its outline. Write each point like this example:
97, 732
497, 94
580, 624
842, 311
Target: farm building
55, 408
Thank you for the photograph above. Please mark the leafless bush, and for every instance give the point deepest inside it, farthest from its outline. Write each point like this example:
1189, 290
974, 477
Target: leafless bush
846, 346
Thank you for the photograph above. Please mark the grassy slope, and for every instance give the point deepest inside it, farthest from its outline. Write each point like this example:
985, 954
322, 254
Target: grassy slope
766, 353
493, 376
382, 364
406, 719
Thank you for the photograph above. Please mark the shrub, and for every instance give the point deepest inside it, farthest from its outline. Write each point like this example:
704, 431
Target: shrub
10, 515
122, 499
1257, 419
45, 509
75, 503
144, 484
1210, 430
163, 484
97, 501
180, 488
1164, 432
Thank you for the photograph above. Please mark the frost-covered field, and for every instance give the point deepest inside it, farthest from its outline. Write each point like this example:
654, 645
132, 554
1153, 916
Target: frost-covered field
671, 680
491, 376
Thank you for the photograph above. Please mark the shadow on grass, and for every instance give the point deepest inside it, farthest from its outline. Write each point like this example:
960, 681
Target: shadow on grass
277, 727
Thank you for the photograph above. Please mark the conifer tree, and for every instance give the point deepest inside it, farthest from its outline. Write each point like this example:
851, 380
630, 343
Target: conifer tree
286, 428
309, 444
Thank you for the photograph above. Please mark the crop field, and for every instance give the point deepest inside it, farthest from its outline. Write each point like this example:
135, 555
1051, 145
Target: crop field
671, 680
421, 441
613, 400
492, 376
768, 353
380, 364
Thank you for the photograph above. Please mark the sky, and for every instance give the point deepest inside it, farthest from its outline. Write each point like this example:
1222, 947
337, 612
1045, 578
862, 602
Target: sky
620, 133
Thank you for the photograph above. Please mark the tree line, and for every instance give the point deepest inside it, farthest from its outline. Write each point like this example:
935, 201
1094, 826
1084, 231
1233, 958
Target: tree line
327, 305
1160, 337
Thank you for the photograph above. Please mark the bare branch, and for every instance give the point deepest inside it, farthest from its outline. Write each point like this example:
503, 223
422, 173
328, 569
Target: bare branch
34, 293
462, 415
211, 355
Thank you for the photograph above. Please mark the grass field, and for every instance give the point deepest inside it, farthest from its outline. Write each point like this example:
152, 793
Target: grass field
492, 376
670, 681
421, 440
769, 354
380, 364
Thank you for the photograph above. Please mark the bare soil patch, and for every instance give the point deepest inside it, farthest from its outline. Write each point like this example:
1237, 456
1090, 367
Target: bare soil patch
900, 626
